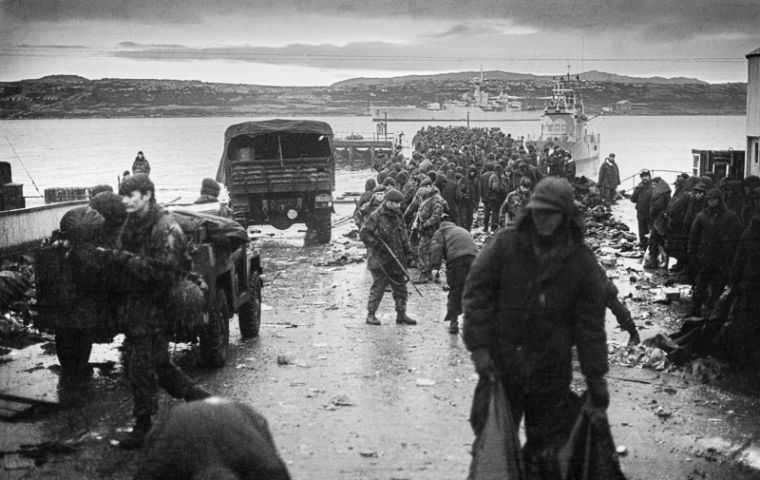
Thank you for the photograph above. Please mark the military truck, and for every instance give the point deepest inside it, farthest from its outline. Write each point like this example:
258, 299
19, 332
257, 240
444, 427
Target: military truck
223, 263
279, 173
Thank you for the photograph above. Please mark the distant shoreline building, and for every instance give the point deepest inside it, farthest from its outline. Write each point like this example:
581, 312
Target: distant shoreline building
752, 158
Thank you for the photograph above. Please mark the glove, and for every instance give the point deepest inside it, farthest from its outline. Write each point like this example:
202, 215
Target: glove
597, 389
484, 365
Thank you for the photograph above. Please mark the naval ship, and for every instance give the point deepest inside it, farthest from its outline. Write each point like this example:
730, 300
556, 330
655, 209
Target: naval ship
565, 125
481, 107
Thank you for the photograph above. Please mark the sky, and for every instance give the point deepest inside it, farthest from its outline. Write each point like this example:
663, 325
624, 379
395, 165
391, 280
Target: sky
319, 42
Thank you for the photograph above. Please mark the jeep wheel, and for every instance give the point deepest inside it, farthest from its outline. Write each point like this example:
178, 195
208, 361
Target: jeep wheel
215, 337
323, 226
249, 315
73, 347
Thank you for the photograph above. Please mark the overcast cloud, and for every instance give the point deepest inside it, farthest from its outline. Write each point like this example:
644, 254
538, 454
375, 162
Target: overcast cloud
700, 38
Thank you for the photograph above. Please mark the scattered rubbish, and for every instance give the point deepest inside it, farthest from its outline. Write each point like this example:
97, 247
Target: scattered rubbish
425, 382
285, 359
368, 453
662, 413
622, 450
339, 401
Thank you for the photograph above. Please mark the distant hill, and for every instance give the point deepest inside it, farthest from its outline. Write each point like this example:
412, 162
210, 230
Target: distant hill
73, 96
498, 75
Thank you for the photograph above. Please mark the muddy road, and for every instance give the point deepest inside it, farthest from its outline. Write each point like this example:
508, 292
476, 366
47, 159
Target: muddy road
350, 401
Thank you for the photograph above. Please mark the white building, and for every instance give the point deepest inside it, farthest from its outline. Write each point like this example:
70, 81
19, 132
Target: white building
752, 159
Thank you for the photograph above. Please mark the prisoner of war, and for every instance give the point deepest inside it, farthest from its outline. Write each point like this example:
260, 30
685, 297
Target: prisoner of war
388, 250
533, 292
156, 252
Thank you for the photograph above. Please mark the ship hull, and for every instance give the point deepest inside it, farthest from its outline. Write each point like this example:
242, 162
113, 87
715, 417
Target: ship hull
405, 114
585, 154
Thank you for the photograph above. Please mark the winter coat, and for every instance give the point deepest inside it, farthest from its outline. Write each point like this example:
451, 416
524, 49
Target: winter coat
530, 308
453, 196
140, 165
498, 187
745, 279
609, 176
471, 185
485, 185
513, 206
430, 212
449, 243
713, 239
158, 243
386, 225
642, 197
659, 204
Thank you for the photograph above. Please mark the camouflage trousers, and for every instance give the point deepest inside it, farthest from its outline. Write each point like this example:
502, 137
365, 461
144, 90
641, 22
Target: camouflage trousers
380, 281
148, 368
423, 254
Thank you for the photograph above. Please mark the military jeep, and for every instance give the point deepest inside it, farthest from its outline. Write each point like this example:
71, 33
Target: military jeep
225, 278
279, 173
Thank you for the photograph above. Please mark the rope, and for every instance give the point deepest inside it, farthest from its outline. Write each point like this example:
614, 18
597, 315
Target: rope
22, 164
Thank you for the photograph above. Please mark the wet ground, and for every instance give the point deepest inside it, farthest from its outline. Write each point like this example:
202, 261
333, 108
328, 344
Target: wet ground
350, 401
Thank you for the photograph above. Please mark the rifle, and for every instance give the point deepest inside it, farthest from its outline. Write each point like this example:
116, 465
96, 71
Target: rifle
398, 262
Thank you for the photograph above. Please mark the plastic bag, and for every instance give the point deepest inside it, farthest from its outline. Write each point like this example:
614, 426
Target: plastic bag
590, 450
497, 452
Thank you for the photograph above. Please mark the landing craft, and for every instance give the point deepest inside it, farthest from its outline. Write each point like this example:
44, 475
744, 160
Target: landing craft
565, 125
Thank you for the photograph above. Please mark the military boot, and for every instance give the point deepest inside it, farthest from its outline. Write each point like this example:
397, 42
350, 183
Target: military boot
196, 393
403, 319
371, 319
136, 437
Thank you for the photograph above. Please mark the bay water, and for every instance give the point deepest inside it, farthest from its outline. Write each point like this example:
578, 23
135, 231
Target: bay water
182, 151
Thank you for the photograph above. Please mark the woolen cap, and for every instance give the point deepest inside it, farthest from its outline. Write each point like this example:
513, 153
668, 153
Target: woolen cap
393, 195
553, 193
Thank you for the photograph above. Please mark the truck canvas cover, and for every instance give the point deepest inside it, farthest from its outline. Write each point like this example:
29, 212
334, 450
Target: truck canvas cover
276, 155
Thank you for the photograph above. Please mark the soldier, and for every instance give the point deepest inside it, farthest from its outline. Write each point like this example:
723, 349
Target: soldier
385, 236
515, 203
209, 191
150, 233
140, 165
451, 192
609, 179
364, 210
712, 244
498, 189
485, 194
470, 196
455, 245
431, 209
533, 293
658, 206
642, 197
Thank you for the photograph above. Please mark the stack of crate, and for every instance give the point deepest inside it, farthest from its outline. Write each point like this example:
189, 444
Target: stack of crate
11, 194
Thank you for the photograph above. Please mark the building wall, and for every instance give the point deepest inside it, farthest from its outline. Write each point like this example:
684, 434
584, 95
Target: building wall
752, 163
753, 96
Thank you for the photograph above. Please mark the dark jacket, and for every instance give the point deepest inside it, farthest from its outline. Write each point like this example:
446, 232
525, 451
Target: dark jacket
453, 195
642, 197
485, 185
658, 204
449, 243
471, 188
530, 308
713, 238
609, 175
141, 165
386, 225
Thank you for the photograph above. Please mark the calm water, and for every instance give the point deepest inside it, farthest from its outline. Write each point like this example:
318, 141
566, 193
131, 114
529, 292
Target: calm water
182, 151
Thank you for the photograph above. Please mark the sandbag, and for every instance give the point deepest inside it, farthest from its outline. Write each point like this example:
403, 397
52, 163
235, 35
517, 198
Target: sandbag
590, 450
497, 453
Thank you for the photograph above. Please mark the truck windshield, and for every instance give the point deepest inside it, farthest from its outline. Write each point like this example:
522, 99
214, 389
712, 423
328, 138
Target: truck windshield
273, 145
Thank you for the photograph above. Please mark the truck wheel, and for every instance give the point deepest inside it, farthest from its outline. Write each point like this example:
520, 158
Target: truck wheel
323, 226
73, 347
249, 315
215, 337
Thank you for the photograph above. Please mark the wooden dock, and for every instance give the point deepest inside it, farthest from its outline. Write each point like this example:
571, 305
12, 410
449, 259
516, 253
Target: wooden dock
361, 153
